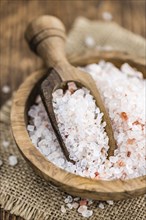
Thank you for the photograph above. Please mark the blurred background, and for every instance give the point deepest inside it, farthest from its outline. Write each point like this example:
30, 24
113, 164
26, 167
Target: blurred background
16, 60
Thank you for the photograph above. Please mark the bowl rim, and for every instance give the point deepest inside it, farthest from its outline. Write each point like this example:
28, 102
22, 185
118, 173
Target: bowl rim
71, 183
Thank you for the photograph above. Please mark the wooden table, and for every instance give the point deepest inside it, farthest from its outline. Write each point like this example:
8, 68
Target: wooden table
16, 60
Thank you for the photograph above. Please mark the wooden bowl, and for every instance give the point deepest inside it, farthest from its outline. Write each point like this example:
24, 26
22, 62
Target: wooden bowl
68, 182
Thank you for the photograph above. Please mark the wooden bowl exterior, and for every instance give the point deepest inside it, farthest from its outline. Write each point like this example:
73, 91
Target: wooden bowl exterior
71, 183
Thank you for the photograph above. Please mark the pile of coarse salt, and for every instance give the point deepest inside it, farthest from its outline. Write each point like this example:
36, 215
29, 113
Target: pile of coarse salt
81, 126
80, 123
83, 206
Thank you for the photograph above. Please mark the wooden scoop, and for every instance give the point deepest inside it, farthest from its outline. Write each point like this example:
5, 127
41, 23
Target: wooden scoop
46, 37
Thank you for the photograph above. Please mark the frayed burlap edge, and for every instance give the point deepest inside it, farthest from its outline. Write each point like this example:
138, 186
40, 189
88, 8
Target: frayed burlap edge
20, 208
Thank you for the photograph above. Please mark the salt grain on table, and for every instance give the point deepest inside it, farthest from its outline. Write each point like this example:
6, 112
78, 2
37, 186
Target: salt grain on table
101, 205
68, 199
90, 42
82, 209
87, 213
107, 16
12, 160
63, 209
5, 144
110, 202
6, 89
75, 205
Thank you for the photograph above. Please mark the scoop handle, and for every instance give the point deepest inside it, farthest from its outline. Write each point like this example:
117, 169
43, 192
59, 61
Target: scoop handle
46, 37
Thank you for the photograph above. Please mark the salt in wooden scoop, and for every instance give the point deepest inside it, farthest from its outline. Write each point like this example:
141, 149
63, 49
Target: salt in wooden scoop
46, 37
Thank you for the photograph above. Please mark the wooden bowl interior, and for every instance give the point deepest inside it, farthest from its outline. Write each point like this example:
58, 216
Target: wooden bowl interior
71, 183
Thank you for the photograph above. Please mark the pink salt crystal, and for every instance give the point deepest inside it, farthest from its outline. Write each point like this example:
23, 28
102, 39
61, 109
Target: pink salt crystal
138, 123
83, 202
124, 116
131, 141
121, 163
72, 87
96, 174
124, 175
128, 153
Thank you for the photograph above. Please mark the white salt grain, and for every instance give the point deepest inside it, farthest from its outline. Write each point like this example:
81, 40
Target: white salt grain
63, 210
30, 128
82, 209
68, 199
90, 202
69, 205
12, 160
101, 205
110, 202
75, 205
76, 198
5, 144
6, 89
87, 213
107, 16
90, 42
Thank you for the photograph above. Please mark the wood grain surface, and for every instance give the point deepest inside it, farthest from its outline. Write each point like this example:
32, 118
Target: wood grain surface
16, 61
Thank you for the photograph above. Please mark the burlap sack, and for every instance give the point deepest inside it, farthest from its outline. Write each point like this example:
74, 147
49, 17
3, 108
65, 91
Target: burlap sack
25, 193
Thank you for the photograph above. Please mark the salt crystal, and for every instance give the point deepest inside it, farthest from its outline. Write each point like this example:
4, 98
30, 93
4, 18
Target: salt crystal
69, 205
30, 128
83, 202
87, 213
89, 41
82, 209
38, 99
5, 144
110, 202
76, 198
12, 160
75, 205
63, 210
6, 89
1, 162
101, 205
72, 87
107, 16
68, 199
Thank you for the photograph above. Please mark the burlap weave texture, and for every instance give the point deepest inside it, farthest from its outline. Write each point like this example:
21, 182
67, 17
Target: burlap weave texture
25, 193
